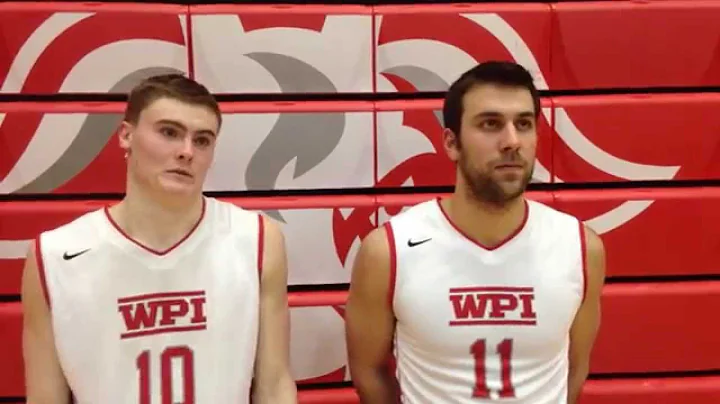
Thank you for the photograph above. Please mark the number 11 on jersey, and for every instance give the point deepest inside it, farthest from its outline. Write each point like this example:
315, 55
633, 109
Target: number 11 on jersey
479, 352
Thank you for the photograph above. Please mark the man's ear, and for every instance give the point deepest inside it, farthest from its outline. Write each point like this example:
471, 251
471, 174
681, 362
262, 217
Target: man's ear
125, 133
451, 143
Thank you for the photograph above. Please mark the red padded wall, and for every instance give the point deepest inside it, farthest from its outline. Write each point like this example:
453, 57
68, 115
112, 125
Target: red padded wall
657, 327
675, 390
637, 137
652, 232
453, 32
12, 378
626, 44
667, 390
650, 326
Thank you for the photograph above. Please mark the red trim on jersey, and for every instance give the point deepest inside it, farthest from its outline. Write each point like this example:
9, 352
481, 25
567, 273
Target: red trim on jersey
393, 262
41, 271
164, 330
261, 244
112, 221
489, 248
583, 251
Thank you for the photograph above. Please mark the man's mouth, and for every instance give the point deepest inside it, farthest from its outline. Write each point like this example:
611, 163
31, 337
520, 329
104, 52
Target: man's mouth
182, 172
509, 165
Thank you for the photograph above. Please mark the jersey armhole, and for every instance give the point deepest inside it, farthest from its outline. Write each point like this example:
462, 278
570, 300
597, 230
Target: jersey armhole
41, 271
393, 263
261, 245
583, 253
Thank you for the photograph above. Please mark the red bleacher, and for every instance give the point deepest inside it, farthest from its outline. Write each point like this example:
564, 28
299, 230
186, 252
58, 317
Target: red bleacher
654, 345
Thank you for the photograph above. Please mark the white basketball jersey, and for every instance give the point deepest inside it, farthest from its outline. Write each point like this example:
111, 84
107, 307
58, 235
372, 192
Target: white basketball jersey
138, 326
485, 325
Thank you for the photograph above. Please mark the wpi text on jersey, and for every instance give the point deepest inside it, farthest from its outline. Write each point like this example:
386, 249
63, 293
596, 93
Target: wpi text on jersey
493, 305
160, 313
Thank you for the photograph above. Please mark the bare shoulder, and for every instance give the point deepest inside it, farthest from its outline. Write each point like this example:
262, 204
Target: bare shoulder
594, 257
372, 266
376, 244
31, 283
31, 256
272, 230
33, 295
273, 259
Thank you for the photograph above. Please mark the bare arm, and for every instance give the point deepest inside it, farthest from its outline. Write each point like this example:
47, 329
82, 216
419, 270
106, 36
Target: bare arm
44, 379
274, 383
587, 320
370, 322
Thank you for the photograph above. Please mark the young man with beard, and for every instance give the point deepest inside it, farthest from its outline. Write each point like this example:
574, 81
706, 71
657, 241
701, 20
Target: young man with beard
167, 296
484, 296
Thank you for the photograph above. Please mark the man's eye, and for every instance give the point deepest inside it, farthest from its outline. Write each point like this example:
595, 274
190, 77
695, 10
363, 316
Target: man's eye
490, 124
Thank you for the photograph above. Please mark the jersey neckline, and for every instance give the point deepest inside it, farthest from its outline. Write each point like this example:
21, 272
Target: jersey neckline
160, 253
512, 236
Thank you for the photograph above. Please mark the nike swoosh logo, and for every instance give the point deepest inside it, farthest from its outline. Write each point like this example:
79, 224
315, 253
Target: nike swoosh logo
67, 256
416, 243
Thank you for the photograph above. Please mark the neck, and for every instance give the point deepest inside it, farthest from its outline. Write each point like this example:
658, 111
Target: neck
488, 224
157, 222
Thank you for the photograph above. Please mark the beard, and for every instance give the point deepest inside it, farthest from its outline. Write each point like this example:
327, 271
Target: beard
489, 190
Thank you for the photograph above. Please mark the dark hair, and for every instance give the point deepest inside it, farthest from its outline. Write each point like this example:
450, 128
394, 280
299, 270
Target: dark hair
174, 86
491, 72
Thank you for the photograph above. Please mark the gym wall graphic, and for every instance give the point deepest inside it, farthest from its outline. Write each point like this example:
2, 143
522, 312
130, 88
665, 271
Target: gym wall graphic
330, 110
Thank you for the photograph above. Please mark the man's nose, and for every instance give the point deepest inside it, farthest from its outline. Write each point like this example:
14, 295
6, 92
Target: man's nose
510, 138
187, 150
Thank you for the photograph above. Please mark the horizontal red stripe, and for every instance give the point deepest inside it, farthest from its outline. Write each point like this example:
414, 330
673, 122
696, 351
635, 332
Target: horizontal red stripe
638, 194
236, 106
490, 289
620, 100
225, 107
159, 296
310, 299
166, 330
303, 202
345, 106
404, 105
95, 7
457, 323
296, 106
423, 104
330, 9
672, 390
632, 5
459, 8
63, 107
675, 390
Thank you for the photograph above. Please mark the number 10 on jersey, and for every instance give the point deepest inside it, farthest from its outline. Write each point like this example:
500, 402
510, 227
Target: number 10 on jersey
184, 355
481, 354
